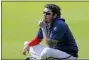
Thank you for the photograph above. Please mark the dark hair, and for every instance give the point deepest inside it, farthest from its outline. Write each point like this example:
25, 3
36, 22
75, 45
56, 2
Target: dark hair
55, 9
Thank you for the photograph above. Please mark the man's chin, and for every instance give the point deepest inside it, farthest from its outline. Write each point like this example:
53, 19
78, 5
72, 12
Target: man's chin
47, 21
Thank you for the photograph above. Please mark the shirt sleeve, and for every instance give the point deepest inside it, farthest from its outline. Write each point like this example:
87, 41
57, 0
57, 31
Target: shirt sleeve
40, 34
57, 32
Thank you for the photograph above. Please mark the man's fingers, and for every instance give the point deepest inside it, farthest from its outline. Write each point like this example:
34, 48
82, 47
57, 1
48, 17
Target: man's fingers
24, 52
26, 48
42, 23
28, 51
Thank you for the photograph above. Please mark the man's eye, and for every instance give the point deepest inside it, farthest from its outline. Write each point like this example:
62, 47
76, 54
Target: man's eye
46, 13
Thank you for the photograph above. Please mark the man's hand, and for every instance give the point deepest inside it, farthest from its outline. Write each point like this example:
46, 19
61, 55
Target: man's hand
25, 49
42, 24
51, 43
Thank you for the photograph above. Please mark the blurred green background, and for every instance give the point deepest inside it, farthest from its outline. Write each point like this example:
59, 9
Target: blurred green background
20, 23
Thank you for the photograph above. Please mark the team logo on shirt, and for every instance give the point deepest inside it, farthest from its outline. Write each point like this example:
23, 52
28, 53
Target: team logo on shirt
55, 28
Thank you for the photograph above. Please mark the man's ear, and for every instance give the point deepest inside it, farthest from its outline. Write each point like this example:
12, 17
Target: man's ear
55, 15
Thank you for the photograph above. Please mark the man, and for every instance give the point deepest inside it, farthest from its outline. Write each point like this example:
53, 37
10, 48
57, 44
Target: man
59, 39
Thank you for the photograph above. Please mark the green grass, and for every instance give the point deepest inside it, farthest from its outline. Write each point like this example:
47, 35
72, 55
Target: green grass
20, 19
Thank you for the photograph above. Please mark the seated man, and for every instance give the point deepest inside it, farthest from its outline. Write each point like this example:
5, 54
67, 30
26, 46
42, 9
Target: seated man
59, 39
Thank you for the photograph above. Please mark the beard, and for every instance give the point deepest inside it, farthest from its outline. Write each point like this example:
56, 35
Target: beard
47, 20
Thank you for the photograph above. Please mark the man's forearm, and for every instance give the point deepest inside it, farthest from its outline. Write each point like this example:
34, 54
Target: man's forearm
49, 42
45, 33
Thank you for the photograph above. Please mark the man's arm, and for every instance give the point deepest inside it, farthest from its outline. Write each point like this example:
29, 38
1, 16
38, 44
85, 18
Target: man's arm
49, 42
33, 42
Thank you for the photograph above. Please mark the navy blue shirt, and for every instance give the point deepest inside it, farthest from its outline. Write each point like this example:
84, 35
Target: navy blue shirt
60, 31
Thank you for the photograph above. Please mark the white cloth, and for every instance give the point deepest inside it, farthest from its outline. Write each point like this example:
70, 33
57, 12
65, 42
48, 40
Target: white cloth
36, 51
42, 52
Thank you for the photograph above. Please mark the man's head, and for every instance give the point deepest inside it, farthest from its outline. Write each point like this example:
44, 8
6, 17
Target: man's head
51, 11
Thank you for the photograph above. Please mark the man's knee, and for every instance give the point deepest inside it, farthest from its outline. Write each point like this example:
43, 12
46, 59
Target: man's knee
45, 53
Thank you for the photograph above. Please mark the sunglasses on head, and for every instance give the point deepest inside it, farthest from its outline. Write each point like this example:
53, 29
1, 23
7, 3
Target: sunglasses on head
46, 13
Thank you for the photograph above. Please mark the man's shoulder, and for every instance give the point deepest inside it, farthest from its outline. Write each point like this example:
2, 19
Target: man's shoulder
60, 22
